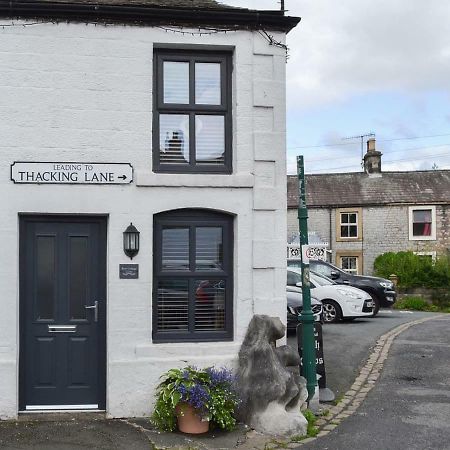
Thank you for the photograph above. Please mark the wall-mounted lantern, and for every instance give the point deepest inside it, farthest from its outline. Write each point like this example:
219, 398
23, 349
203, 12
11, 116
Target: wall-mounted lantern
131, 241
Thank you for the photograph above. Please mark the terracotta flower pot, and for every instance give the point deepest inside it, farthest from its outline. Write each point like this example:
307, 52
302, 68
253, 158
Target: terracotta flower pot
189, 421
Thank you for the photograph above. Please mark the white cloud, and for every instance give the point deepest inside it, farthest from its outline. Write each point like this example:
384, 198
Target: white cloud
340, 49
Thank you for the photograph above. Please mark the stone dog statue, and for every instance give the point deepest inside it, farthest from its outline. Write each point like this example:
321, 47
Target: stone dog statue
269, 381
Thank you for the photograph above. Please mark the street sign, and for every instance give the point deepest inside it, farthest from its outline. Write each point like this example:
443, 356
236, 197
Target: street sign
71, 173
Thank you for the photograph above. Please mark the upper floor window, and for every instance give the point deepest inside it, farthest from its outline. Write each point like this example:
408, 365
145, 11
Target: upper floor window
348, 226
422, 223
192, 112
193, 276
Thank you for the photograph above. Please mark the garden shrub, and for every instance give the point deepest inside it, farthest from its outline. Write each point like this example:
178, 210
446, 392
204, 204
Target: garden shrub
413, 270
414, 303
441, 299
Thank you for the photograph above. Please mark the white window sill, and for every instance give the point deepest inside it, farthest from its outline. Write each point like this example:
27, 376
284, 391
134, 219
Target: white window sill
147, 178
422, 238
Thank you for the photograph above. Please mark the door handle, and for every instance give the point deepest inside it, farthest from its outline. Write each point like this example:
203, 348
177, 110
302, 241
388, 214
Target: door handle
95, 308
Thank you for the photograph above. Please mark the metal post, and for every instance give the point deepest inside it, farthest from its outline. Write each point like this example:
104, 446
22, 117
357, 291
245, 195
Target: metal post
307, 317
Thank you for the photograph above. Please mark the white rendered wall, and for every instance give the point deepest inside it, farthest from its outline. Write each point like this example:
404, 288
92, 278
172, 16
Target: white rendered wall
76, 92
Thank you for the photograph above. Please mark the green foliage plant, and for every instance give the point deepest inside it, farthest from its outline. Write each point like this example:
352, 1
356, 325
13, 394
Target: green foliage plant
414, 270
311, 430
420, 304
211, 392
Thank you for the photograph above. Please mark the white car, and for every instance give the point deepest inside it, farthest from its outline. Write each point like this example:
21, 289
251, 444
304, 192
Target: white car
339, 302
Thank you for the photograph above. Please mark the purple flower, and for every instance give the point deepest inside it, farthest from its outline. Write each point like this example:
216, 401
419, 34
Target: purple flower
222, 377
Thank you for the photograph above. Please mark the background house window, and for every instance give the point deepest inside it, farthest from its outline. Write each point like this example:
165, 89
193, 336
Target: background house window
349, 224
422, 223
192, 112
349, 264
193, 281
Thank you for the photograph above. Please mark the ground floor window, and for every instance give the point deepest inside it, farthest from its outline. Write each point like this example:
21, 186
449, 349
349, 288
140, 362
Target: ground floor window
193, 279
350, 261
349, 264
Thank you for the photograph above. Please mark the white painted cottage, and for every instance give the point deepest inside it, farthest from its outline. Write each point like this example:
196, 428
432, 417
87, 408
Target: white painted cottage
167, 115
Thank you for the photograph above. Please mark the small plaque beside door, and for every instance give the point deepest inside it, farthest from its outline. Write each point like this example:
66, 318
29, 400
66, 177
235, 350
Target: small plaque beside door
128, 271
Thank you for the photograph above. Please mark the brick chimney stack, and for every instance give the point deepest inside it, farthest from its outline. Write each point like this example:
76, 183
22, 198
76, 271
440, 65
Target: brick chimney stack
372, 158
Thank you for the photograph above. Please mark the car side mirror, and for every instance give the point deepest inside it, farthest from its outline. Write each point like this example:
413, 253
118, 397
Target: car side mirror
334, 275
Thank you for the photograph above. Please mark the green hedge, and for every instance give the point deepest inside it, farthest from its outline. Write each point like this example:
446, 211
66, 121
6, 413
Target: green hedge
413, 270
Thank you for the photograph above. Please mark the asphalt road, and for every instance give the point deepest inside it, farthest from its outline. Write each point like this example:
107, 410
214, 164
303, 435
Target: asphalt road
409, 408
347, 344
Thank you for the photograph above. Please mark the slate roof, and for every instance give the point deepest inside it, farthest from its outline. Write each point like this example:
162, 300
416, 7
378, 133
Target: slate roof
360, 189
150, 12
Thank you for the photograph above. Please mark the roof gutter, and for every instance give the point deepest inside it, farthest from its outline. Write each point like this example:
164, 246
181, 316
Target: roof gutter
142, 15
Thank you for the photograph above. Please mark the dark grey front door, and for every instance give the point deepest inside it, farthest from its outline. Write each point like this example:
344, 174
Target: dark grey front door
62, 295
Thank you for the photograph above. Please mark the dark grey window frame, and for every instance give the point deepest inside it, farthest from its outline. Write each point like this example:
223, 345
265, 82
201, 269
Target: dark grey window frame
159, 107
193, 218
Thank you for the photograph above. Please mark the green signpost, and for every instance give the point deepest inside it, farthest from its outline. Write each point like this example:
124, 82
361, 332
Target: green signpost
307, 317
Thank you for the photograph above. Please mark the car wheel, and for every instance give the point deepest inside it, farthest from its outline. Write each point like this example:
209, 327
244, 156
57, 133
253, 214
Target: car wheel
331, 311
376, 302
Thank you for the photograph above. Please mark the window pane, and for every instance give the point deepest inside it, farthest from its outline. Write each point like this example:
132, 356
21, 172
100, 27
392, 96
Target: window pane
293, 278
174, 138
45, 276
78, 277
208, 249
172, 309
344, 218
352, 218
422, 216
344, 231
207, 84
349, 263
176, 82
209, 305
421, 229
175, 249
209, 139
353, 231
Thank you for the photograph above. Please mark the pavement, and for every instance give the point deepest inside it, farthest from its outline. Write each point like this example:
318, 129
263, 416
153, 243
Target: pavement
348, 344
409, 406
416, 378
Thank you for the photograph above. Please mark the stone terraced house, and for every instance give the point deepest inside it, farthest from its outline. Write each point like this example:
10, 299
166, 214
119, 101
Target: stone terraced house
362, 215
142, 184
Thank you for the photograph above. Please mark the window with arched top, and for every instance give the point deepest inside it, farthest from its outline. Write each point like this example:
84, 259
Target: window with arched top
193, 276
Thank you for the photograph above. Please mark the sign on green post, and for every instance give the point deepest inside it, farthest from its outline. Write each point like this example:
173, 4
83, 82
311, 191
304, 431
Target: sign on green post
307, 317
